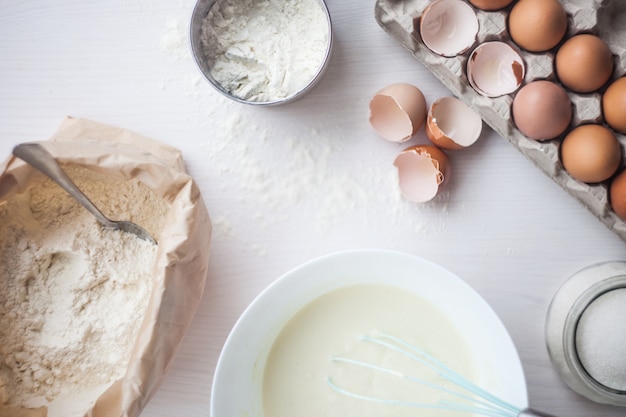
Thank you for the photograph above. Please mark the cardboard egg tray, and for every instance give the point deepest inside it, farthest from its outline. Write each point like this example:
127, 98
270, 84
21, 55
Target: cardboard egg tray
605, 18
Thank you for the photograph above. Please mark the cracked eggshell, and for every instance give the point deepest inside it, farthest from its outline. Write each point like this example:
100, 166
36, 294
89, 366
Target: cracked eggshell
495, 69
398, 111
451, 124
449, 27
421, 171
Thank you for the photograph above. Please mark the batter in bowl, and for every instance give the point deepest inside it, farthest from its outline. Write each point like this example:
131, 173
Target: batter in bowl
300, 362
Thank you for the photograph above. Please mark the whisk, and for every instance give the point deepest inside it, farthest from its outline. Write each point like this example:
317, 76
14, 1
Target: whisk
470, 398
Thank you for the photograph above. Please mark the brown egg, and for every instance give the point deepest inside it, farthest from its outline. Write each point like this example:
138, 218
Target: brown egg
617, 195
537, 25
542, 110
591, 153
614, 105
491, 4
584, 63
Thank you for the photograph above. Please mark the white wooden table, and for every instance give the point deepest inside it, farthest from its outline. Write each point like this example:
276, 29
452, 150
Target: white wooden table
286, 184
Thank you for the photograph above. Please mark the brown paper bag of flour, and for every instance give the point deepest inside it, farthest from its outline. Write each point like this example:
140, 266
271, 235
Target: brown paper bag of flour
183, 253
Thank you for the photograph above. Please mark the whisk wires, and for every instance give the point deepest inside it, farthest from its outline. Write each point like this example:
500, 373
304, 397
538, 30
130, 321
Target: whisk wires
477, 400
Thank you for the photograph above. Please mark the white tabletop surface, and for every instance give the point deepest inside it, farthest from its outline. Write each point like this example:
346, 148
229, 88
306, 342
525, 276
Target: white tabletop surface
286, 184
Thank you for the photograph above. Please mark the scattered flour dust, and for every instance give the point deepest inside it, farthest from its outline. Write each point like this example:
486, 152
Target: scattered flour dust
265, 50
174, 41
310, 173
72, 294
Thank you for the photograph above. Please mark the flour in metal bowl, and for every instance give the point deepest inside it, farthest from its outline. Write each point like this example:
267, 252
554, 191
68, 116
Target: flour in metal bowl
261, 52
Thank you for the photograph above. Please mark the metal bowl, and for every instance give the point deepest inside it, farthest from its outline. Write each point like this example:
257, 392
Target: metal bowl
204, 62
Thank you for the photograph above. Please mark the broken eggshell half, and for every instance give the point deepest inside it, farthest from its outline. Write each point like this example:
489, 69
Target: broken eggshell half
398, 111
421, 171
451, 124
449, 27
495, 69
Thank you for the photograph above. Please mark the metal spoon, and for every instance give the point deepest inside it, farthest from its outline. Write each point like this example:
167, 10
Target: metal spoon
39, 158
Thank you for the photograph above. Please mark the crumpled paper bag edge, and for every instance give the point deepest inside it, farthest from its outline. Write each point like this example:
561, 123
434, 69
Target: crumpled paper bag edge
184, 246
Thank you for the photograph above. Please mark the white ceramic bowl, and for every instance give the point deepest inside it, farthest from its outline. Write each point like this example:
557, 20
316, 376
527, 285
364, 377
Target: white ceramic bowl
237, 383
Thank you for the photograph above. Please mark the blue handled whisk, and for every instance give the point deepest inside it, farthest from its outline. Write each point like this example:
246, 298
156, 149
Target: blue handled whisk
469, 397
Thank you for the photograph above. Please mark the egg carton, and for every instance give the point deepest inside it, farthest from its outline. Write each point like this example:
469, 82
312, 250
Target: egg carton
605, 18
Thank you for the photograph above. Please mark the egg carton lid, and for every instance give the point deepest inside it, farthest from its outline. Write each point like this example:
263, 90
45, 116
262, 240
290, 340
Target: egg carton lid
605, 18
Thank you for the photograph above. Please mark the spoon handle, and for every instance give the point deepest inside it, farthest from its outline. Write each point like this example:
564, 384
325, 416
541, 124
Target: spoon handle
39, 158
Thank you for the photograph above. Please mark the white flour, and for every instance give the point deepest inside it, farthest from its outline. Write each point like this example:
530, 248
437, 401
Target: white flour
264, 50
311, 173
72, 295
